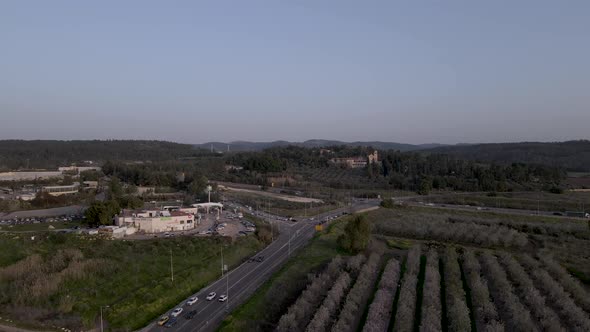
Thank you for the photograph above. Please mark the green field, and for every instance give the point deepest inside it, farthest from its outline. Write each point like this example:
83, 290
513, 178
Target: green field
63, 279
265, 306
279, 206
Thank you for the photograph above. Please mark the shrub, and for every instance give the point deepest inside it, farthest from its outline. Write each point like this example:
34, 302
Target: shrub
574, 316
300, 313
406, 307
486, 315
357, 298
325, 314
571, 285
457, 310
530, 295
517, 316
431, 305
381, 307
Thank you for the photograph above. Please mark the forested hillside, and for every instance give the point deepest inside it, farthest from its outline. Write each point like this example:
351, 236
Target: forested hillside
243, 146
20, 154
570, 155
413, 171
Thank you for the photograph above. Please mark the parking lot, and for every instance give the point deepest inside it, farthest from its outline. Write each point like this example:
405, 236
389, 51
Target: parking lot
226, 223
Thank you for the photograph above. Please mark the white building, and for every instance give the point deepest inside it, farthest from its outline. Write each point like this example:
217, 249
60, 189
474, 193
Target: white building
61, 190
155, 221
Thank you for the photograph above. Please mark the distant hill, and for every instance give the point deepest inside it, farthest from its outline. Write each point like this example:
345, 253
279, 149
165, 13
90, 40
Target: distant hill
21, 154
312, 143
571, 155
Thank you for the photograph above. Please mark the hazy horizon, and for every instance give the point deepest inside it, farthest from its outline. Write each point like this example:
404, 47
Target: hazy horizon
416, 73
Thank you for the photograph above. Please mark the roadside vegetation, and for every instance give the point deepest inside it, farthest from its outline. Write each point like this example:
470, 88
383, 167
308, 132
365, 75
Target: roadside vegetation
63, 279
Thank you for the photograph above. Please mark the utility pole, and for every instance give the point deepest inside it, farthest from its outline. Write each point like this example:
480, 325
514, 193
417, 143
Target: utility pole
227, 290
171, 267
289, 241
222, 261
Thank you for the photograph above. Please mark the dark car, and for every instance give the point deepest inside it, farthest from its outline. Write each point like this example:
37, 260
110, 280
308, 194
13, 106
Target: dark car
171, 322
259, 258
191, 314
557, 214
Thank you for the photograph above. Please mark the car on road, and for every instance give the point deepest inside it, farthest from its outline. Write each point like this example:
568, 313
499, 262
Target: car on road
223, 298
163, 320
171, 322
176, 312
211, 296
192, 300
190, 315
259, 258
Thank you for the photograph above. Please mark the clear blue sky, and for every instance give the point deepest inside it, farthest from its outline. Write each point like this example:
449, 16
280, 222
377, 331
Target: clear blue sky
193, 71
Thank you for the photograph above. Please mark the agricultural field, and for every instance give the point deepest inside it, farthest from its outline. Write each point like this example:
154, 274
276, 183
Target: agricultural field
63, 279
543, 201
431, 271
339, 178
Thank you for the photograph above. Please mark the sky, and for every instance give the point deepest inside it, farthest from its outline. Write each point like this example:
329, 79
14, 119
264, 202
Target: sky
443, 71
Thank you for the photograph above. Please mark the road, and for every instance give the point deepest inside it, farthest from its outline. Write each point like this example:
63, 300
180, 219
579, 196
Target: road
240, 283
60, 211
483, 209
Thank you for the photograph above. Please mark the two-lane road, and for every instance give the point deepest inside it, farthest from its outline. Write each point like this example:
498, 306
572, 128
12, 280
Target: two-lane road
242, 281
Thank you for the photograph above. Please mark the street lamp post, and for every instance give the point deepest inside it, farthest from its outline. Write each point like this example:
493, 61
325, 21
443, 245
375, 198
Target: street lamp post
101, 323
171, 267
222, 261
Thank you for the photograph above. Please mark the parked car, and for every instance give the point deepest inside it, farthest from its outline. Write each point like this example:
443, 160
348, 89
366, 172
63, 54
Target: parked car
192, 300
176, 312
223, 298
171, 322
191, 314
211, 296
163, 320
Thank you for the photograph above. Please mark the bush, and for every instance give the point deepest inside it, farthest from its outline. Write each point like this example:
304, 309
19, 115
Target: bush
518, 317
324, 316
457, 310
530, 295
380, 310
486, 315
575, 317
357, 298
431, 305
299, 314
406, 307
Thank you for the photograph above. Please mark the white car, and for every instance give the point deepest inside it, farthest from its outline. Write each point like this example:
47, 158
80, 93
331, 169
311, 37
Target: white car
192, 301
223, 298
176, 312
211, 296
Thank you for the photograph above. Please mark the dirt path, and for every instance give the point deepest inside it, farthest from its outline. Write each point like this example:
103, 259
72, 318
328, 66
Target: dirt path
279, 196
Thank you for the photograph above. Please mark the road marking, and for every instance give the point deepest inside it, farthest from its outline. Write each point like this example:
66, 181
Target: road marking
245, 275
221, 310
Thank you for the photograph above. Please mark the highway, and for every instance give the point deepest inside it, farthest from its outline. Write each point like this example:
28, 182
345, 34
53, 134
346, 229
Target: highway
241, 282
